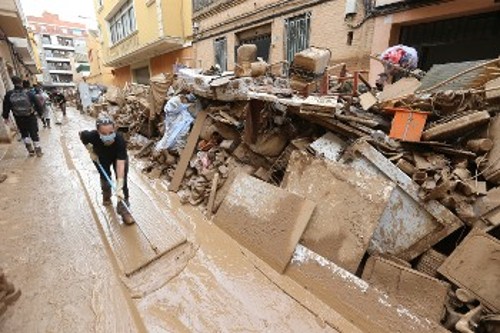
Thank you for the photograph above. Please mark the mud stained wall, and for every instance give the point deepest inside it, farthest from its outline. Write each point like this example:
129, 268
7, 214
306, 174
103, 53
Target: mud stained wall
165, 63
328, 29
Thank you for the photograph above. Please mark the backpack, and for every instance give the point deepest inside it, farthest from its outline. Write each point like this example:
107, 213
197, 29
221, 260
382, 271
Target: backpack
20, 103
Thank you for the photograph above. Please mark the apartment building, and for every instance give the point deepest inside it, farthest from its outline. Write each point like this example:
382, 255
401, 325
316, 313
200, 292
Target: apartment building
441, 31
17, 56
140, 39
59, 41
99, 73
280, 28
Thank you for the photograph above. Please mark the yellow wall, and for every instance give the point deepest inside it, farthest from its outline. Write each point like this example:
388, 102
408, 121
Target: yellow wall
34, 48
99, 74
175, 16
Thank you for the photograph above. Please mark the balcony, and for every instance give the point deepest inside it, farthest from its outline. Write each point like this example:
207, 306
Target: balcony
11, 19
127, 51
57, 47
61, 71
56, 59
23, 48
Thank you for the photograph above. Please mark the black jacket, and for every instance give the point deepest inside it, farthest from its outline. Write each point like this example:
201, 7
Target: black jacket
34, 102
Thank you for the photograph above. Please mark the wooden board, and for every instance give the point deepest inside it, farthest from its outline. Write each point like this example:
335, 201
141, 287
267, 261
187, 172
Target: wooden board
188, 151
349, 206
130, 246
474, 265
403, 87
265, 219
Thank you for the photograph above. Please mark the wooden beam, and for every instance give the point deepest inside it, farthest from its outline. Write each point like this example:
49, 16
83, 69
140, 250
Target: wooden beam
187, 152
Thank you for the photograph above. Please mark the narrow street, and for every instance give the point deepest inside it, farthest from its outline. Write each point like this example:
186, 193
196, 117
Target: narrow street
69, 256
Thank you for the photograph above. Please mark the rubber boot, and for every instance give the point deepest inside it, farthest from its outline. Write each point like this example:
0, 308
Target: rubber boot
48, 123
30, 149
38, 151
106, 193
124, 212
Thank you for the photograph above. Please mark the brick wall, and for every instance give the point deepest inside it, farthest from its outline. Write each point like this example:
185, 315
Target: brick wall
328, 29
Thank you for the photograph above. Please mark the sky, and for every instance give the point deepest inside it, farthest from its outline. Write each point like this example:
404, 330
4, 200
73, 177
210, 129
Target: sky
70, 10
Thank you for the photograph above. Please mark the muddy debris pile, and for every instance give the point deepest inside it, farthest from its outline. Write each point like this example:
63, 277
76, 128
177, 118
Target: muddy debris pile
396, 196
8, 293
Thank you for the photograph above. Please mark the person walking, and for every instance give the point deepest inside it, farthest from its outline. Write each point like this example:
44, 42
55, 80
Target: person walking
44, 99
108, 148
23, 105
61, 101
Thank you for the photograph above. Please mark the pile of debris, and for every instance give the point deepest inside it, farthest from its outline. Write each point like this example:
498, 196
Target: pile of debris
398, 187
8, 293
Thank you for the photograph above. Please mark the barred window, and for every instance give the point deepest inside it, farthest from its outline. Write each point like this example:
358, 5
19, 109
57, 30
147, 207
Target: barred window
122, 24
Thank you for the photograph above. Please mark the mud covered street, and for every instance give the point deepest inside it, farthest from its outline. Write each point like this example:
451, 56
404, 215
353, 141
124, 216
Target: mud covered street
60, 248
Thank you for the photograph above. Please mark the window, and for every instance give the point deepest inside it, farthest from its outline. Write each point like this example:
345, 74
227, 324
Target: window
46, 39
122, 24
220, 50
297, 30
77, 32
141, 75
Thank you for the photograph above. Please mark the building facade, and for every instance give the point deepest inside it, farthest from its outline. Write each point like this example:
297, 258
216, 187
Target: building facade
17, 55
99, 74
141, 39
59, 41
280, 28
441, 31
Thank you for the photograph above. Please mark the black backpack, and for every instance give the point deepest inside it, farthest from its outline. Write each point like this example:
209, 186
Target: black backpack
20, 103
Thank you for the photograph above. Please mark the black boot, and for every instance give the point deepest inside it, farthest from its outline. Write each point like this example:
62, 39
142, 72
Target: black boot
30, 149
38, 151
106, 193
48, 122
124, 212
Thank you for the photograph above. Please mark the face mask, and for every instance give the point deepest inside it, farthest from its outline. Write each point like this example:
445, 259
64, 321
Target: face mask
108, 139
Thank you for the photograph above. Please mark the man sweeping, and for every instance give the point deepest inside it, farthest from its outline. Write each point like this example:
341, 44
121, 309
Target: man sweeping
23, 105
108, 148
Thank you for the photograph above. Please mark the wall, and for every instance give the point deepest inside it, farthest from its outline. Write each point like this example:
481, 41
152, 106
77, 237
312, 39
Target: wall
328, 29
121, 76
154, 20
386, 29
99, 74
165, 62
177, 18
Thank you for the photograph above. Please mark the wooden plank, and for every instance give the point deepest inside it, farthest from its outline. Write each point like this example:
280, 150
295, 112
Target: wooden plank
162, 232
130, 246
402, 88
211, 199
187, 152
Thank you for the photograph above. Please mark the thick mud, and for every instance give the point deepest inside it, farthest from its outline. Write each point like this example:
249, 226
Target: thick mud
55, 247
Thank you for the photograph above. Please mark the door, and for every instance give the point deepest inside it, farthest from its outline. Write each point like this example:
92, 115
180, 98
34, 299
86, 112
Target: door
297, 30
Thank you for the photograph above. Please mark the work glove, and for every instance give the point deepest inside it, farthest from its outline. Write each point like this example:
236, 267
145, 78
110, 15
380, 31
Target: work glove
92, 154
119, 189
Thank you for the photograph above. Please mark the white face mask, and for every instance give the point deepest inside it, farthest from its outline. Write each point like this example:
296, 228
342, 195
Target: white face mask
108, 139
